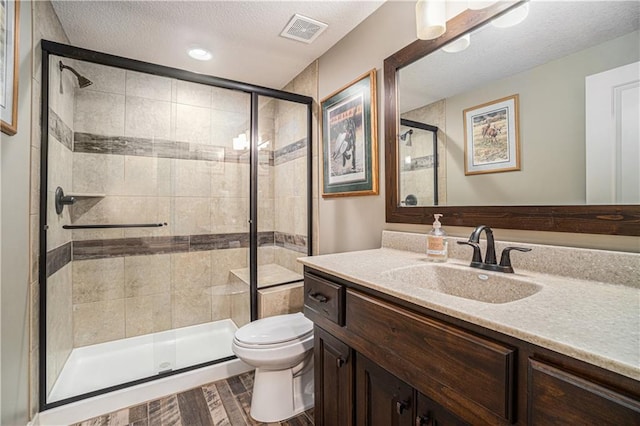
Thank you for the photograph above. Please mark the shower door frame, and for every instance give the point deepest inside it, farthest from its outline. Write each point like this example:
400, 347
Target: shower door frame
72, 52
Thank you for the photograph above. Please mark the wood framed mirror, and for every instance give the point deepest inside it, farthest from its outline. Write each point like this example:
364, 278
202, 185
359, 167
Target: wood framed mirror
577, 216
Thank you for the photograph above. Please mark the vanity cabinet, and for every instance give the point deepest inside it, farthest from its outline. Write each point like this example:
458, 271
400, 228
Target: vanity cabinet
333, 380
384, 361
384, 400
381, 398
558, 396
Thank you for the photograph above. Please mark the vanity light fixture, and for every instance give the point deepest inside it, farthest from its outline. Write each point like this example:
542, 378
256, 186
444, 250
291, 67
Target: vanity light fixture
458, 45
200, 54
431, 19
512, 18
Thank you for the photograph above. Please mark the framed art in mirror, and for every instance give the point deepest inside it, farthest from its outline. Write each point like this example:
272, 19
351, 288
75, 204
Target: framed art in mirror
349, 139
491, 137
9, 21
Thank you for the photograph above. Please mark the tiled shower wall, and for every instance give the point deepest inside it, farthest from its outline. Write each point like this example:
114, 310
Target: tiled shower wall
290, 179
149, 149
59, 289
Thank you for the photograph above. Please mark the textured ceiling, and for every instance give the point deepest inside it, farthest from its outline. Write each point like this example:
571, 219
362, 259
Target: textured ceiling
552, 30
243, 36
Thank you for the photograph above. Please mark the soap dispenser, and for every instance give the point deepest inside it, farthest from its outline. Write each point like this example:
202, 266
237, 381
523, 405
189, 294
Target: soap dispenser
437, 250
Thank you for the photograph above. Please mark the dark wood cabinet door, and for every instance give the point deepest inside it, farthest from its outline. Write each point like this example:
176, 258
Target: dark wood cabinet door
333, 381
436, 358
381, 398
558, 397
430, 413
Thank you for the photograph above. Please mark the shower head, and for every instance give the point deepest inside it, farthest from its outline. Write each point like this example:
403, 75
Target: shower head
82, 81
406, 136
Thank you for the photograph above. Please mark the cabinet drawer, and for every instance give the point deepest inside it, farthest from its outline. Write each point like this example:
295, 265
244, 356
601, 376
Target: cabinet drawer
462, 371
560, 397
323, 299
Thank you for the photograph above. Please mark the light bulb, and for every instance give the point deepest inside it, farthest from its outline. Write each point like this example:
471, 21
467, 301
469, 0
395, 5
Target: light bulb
458, 45
511, 18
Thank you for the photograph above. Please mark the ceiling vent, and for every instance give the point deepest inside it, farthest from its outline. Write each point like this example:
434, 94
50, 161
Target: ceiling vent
303, 29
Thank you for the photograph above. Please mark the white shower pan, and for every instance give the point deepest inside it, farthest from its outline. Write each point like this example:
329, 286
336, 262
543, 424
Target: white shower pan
103, 365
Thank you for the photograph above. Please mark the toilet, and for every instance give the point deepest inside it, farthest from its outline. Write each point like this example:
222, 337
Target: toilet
281, 350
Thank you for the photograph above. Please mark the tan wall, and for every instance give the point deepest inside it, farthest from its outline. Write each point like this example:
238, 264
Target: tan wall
14, 274
355, 223
552, 134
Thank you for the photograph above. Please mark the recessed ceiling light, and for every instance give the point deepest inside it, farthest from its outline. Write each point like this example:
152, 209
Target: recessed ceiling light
200, 54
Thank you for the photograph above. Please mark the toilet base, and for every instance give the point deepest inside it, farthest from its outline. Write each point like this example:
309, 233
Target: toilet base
281, 394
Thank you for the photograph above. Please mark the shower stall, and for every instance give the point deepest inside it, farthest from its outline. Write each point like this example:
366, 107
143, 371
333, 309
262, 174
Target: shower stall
173, 208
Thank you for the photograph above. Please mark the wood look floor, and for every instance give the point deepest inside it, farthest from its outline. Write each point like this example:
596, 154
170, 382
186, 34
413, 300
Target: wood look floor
223, 403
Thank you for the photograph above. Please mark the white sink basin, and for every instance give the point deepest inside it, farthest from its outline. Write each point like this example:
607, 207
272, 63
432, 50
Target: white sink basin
466, 282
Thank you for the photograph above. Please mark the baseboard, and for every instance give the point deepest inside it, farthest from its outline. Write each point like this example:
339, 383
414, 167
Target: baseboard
35, 421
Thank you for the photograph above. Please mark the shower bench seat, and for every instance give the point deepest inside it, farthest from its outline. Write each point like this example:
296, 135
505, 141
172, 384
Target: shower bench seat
280, 290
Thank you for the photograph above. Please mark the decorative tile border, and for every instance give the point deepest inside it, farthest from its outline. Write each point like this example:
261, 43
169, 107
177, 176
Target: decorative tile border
57, 258
123, 247
290, 152
162, 148
419, 163
59, 130
291, 242
228, 241
117, 247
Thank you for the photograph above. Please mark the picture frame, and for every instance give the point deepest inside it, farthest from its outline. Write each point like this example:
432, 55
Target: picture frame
9, 70
349, 139
491, 137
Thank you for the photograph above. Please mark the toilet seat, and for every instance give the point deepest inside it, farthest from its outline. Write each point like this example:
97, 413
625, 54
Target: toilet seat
302, 339
274, 331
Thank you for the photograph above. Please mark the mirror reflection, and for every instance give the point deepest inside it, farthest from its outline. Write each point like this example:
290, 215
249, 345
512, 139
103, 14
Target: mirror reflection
574, 68
421, 181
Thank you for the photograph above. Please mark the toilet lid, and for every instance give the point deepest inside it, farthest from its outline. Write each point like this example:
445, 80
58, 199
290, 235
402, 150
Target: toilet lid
277, 329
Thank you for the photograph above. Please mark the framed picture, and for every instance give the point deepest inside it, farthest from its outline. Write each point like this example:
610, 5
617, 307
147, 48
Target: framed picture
349, 139
491, 141
9, 23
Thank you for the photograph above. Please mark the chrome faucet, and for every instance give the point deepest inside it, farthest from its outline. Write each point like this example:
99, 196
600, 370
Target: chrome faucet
490, 255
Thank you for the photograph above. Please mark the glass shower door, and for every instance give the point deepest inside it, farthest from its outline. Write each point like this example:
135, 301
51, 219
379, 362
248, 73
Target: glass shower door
151, 220
282, 204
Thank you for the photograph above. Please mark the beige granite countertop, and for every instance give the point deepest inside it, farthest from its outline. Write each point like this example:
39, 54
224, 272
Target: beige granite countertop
592, 321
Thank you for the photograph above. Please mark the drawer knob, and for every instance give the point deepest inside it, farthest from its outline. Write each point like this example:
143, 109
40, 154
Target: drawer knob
422, 420
401, 406
318, 297
339, 362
